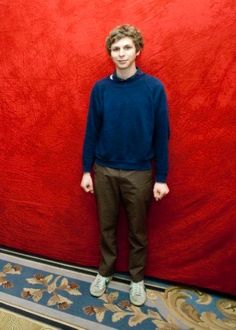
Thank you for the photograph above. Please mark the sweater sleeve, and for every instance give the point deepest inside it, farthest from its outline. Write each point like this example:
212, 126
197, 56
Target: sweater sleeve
162, 133
92, 131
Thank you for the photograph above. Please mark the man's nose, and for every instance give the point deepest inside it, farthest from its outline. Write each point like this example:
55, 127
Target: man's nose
121, 52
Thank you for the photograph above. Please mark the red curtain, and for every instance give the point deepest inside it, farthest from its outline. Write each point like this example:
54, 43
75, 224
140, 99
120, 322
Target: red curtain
51, 53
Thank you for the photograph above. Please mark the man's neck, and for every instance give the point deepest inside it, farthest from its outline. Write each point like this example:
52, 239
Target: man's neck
126, 73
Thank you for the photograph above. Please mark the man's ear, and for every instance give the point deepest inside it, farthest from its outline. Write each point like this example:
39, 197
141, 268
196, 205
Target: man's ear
137, 54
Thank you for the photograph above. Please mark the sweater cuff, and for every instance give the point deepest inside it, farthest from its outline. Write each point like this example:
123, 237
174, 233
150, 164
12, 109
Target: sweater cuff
161, 178
87, 168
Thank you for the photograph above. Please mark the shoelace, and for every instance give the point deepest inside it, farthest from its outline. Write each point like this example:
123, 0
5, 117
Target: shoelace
137, 289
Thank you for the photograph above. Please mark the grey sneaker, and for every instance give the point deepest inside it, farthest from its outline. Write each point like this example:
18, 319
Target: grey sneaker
137, 293
99, 285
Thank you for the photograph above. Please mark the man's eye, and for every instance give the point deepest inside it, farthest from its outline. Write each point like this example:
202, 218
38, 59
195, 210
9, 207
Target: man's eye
127, 47
115, 49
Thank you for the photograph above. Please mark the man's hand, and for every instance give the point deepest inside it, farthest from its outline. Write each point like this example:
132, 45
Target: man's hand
160, 190
87, 182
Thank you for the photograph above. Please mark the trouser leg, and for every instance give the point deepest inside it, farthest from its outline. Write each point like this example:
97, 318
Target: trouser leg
108, 202
136, 192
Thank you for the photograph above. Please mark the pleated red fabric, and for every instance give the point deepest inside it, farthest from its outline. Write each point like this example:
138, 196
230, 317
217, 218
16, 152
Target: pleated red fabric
51, 53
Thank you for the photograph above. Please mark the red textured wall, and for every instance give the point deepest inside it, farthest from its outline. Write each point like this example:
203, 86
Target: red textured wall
51, 52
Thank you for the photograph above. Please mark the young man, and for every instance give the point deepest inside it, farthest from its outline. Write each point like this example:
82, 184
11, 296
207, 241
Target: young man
127, 128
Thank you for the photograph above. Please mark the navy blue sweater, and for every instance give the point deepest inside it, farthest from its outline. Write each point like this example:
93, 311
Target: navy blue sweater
127, 125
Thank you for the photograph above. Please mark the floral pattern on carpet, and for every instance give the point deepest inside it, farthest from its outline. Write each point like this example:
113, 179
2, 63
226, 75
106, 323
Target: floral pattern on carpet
50, 285
6, 270
174, 308
175, 299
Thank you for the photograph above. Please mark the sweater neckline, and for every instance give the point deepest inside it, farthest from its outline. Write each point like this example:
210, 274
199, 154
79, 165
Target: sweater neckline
134, 77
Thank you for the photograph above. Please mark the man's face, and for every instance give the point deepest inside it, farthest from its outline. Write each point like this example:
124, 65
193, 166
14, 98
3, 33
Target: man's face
123, 53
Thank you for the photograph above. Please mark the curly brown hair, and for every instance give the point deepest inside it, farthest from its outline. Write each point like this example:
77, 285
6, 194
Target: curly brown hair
123, 31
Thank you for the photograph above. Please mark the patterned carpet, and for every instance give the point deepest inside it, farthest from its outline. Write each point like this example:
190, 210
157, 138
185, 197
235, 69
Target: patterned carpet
10, 320
38, 294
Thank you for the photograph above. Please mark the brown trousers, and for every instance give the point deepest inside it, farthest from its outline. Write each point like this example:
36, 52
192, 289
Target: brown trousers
134, 190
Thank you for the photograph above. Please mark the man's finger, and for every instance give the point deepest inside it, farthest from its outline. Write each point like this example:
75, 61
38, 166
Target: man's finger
90, 189
87, 188
156, 196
